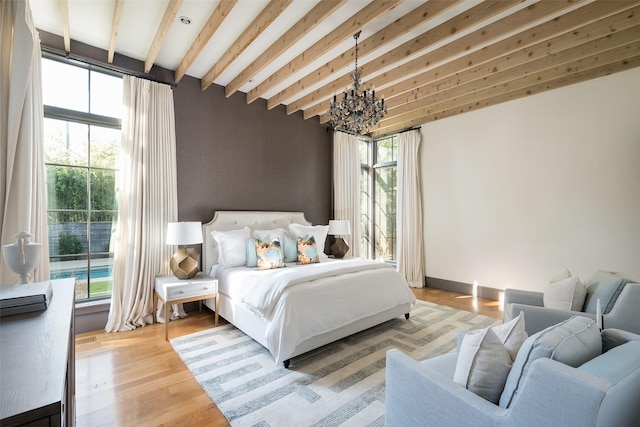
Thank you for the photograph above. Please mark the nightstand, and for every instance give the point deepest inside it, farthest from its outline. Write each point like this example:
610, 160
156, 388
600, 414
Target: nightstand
171, 290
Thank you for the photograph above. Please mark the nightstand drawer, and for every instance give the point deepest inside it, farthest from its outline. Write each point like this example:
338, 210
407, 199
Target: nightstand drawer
190, 290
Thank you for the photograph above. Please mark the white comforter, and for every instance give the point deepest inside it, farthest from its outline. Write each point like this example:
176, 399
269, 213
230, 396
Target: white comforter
300, 302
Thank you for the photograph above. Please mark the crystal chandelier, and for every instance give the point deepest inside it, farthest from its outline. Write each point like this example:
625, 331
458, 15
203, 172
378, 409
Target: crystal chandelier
358, 111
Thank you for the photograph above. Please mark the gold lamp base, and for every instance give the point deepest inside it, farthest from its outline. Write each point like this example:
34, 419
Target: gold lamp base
185, 263
339, 248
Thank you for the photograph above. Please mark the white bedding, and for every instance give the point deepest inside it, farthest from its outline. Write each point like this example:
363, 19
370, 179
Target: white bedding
299, 302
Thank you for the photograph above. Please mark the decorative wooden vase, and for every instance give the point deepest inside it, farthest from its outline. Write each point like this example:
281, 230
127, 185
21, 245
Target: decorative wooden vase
22, 256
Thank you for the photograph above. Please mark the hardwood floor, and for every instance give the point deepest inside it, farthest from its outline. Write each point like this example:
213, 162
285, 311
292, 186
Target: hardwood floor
136, 379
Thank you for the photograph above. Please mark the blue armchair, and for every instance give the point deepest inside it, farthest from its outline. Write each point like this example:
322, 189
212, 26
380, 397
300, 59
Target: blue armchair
602, 392
621, 312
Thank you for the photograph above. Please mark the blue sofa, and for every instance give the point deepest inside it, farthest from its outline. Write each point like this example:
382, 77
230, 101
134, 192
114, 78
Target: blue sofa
603, 392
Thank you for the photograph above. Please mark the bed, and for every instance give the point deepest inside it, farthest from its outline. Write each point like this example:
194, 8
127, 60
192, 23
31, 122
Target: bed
296, 309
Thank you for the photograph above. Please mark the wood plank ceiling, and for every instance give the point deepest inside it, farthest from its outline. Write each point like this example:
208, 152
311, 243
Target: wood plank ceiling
430, 59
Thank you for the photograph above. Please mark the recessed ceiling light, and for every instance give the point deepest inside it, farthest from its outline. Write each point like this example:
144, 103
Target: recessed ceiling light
185, 20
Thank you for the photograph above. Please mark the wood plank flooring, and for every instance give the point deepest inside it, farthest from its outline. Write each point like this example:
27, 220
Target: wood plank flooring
136, 379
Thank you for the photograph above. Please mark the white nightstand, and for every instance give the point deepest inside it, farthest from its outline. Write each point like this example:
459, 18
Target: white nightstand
171, 290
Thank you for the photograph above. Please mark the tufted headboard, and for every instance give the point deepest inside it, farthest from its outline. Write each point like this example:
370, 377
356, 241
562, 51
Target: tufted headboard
233, 220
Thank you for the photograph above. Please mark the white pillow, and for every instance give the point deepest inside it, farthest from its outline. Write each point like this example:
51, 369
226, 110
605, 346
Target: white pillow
565, 294
232, 246
512, 334
319, 233
483, 364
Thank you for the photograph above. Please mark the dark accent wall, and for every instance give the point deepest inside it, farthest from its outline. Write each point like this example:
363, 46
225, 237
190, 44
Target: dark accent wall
237, 156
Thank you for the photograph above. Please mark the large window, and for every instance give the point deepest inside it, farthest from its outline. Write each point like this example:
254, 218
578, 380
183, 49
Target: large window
82, 141
378, 197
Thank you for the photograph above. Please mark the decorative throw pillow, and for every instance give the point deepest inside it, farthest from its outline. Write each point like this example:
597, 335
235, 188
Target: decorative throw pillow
288, 244
565, 294
307, 250
269, 255
252, 256
603, 285
512, 334
572, 342
319, 233
232, 251
290, 249
483, 364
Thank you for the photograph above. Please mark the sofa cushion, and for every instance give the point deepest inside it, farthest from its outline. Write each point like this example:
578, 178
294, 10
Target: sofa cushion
483, 364
605, 286
572, 342
565, 294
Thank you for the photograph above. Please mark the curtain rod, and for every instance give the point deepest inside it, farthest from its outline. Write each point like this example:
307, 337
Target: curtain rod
108, 67
377, 137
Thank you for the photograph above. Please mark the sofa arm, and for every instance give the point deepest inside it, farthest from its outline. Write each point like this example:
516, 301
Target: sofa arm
523, 297
416, 395
539, 318
614, 337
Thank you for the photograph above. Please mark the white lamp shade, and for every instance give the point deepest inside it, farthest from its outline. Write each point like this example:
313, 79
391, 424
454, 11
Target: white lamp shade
340, 227
184, 233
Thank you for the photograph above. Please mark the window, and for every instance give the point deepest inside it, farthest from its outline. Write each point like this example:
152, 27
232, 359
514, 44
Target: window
378, 197
82, 109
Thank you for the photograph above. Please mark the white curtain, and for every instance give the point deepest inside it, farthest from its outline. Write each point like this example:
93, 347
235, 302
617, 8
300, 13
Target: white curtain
346, 186
147, 200
410, 247
22, 177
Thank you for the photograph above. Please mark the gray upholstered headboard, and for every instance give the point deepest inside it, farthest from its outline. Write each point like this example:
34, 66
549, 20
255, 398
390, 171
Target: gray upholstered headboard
233, 220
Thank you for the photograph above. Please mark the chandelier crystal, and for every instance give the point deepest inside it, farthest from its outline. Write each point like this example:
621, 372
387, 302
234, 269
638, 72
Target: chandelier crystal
357, 111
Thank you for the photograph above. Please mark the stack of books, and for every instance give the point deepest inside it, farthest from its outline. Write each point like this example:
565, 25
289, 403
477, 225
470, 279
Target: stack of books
25, 298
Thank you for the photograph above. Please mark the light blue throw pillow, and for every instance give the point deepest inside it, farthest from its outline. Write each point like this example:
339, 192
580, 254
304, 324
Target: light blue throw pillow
290, 249
252, 256
572, 342
604, 286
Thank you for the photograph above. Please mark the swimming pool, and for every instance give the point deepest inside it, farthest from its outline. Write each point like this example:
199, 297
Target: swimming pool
81, 273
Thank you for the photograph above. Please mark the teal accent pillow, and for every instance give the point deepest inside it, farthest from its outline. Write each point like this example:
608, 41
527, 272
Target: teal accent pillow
252, 256
290, 249
606, 286
269, 255
307, 250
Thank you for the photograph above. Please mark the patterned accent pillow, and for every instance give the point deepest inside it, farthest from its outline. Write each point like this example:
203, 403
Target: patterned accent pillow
307, 250
269, 255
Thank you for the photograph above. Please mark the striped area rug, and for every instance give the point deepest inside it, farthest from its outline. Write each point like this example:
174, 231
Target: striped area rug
340, 384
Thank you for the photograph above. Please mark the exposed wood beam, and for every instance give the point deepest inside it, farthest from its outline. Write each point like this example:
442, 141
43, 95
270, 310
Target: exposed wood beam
400, 26
115, 26
208, 30
518, 20
163, 29
569, 59
66, 33
444, 31
582, 70
352, 25
591, 21
319, 13
263, 20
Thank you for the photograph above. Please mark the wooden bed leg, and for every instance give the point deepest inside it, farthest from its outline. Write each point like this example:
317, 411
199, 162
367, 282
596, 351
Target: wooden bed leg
286, 363
406, 316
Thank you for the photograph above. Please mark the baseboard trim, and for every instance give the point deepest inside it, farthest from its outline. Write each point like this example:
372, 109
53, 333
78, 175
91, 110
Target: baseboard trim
463, 288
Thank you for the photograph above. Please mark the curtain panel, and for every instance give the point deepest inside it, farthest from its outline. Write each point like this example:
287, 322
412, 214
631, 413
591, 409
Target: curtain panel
22, 177
346, 186
410, 240
147, 201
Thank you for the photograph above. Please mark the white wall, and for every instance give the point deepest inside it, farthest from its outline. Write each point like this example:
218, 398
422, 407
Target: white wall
514, 192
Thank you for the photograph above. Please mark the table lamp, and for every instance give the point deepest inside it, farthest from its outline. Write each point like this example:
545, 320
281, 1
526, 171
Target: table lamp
339, 227
185, 262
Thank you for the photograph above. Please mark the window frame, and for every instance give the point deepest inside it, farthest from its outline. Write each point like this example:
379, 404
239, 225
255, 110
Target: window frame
90, 120
371, 169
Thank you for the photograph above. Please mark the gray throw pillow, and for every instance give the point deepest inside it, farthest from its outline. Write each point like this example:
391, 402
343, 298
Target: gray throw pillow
604, 286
